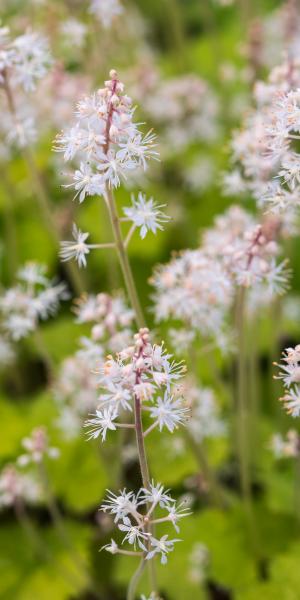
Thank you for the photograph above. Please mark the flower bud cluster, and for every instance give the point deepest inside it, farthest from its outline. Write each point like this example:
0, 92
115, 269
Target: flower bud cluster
105, 140
37, 448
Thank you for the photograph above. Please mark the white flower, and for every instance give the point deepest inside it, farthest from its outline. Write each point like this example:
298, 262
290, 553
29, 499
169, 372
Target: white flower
139, 149
156, 494
31, 59
291, 401
146, 214
74, 31
106, 11
169, 412
161, 546
77, 250
134, 535
18, 326
177, 512
103, 421
86, 182
120, 505
112, 547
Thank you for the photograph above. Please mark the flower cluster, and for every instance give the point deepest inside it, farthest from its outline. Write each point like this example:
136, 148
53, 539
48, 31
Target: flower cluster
37, 448
198, 286
106, 11
141, 373
24, 60
34, 297
185, 107
265, 149
16, 487
290, 375
134, 523
285, 448
106, 141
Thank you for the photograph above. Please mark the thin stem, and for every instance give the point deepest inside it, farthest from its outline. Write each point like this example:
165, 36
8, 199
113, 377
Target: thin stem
128, 553
135, 579
242, 432
242, 408
150, 428
129, 235
123, 258
102, 246
213, 487
140, 443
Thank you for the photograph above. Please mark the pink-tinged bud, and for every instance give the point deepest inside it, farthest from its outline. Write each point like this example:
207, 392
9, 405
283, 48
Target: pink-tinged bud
113, 132
272, 248
120, 87
97, 332
140, 363
262, 240
115, 99
113, 74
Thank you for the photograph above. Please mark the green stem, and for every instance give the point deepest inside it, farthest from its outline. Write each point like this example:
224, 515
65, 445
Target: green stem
135, 580
213, 488
123, 259
242, 408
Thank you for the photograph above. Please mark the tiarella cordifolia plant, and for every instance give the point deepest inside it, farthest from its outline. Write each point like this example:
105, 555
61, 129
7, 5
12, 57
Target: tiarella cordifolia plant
108, 145
34, 297
140, 381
